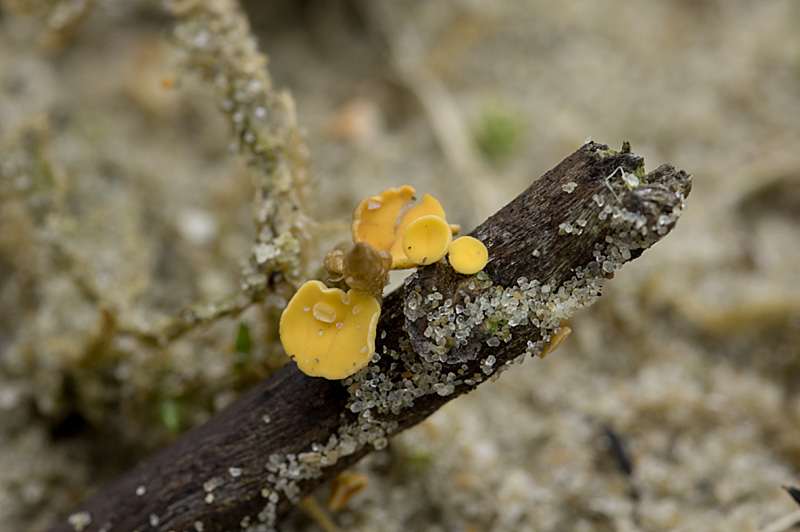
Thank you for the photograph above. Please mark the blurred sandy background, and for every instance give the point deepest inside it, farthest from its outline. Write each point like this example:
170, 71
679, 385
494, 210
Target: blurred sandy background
114, 167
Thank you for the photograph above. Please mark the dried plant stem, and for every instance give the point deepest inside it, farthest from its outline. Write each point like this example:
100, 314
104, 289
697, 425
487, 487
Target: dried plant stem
784, 523
213, 39
550, 250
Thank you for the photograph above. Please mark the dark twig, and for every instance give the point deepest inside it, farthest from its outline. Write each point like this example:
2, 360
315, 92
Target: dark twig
440, 336
794, 492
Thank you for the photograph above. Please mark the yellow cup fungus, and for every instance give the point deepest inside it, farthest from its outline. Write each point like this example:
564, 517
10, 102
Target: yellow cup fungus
375, 217
329, 333
428, 205
468, 255
427, 239
381, 221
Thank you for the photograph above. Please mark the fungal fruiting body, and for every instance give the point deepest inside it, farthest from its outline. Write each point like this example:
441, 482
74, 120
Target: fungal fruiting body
329, 333
382, 222
468, 255
428, 206
366, 269
426, 240
555, 341
375, 217
345, 485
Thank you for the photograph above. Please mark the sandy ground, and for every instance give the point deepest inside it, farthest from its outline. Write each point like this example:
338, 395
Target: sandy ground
672, 406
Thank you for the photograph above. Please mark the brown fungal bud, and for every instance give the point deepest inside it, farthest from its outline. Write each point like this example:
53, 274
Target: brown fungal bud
334, 265
366, 268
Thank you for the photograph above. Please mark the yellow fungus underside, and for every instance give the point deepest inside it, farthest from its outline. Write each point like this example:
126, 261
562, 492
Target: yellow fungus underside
468, 255
329, 333
427, 239
375, 218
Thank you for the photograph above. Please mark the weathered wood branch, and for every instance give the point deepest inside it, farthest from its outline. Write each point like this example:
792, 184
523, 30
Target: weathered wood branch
440, 336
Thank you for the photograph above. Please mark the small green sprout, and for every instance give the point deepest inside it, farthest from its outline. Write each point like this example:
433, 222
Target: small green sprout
244, 343
170, 413
499, 134
418, 462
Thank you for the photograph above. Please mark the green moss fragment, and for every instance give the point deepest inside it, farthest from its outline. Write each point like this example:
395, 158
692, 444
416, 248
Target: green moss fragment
244, 342
169, 411
418, 462
639, 171
499, 134
494, 327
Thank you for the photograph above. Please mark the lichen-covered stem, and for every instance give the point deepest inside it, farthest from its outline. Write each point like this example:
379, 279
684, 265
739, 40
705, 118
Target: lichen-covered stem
440, 335
213, 39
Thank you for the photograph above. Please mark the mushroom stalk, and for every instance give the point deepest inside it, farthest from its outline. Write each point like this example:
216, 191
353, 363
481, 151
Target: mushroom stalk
439, 336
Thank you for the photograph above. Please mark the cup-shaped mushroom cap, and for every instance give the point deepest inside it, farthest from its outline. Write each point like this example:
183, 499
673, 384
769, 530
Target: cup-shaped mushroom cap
468, 255
381, 222
427, 239
329, 333
428, 205
375, 218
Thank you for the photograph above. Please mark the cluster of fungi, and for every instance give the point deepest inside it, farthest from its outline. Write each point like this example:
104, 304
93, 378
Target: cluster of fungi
329, 329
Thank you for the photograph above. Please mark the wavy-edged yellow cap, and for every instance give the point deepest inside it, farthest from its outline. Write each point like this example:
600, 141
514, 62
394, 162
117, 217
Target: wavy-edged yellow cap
468, 255
329, 333
381, 222
375, 217
427, 239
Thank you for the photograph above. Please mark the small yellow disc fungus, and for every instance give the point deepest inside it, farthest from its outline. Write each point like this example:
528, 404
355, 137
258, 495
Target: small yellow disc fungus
427, 239
427, 205
329, 333
468, 255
